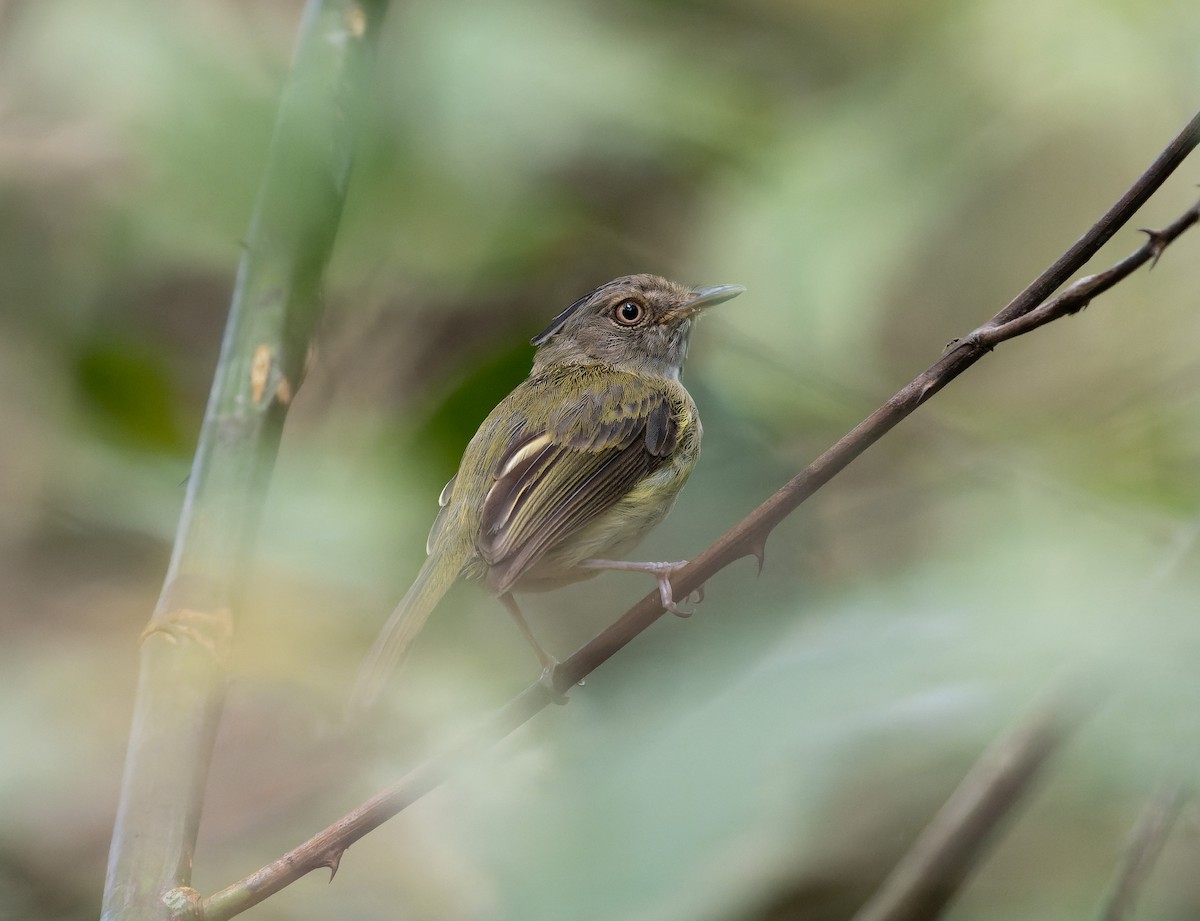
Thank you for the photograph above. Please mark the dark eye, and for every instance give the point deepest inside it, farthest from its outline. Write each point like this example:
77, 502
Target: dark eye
628, 313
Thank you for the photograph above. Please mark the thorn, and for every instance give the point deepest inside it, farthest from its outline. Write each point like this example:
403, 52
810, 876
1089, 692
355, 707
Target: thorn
1158, 244
333, 861
759, 552
924, 394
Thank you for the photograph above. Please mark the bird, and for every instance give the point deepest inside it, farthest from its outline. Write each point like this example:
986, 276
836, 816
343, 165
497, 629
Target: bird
571, 469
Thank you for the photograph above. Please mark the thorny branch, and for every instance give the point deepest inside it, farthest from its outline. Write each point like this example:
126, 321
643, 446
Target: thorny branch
748, 537
1080, 292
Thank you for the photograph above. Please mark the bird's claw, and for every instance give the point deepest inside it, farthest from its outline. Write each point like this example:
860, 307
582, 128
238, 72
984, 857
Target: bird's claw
662, 572
667, 596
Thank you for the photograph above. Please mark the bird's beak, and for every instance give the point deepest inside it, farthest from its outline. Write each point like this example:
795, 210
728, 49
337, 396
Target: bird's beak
706, 297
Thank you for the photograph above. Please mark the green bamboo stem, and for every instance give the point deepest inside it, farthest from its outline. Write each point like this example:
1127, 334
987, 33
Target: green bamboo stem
274, 312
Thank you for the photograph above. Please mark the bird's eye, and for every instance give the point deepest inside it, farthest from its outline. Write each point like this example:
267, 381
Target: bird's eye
628, 313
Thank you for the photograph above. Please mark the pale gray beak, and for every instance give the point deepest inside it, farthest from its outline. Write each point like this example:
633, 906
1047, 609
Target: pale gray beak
713, 294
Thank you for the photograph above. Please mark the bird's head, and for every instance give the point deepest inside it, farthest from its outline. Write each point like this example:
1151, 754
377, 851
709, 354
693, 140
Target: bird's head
639, 323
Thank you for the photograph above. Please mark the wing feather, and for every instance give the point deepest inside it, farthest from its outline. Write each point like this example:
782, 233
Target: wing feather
552, 482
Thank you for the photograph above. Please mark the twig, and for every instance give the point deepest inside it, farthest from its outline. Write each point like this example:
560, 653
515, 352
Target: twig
274, 311
1080, 293
747, 538
1101, 232
1146, 843
326, 848
928, 876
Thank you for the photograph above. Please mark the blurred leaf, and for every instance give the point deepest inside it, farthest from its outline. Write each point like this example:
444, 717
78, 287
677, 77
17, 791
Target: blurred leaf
453, 421
127, 395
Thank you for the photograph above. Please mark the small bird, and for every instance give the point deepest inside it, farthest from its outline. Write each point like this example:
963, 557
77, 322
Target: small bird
572, 468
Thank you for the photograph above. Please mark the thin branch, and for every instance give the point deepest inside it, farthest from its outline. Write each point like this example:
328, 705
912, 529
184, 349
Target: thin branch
747, 538
274, 311
326, 849
1146, 843
929, 875
1080, 292
1101, 232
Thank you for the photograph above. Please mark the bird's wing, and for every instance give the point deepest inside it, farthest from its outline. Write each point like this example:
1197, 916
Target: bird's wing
553, 479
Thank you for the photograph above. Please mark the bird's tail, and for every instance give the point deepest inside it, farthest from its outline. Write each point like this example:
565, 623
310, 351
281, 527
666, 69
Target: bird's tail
432, 582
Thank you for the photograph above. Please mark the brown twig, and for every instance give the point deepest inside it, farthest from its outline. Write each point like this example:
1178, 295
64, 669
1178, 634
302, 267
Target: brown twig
932, 871
747, 538
326, 849
272, 317
1146, 843
1080, 292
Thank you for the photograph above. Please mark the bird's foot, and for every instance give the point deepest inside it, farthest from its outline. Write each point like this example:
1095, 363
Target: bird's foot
662, 572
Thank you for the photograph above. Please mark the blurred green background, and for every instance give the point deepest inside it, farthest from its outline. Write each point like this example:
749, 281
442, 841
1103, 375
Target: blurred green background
882, 177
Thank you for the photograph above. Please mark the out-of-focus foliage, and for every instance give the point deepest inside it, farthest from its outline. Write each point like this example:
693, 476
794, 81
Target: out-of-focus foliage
882, 177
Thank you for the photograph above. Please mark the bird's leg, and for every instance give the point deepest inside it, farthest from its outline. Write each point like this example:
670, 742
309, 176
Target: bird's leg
661, 571
548, 662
